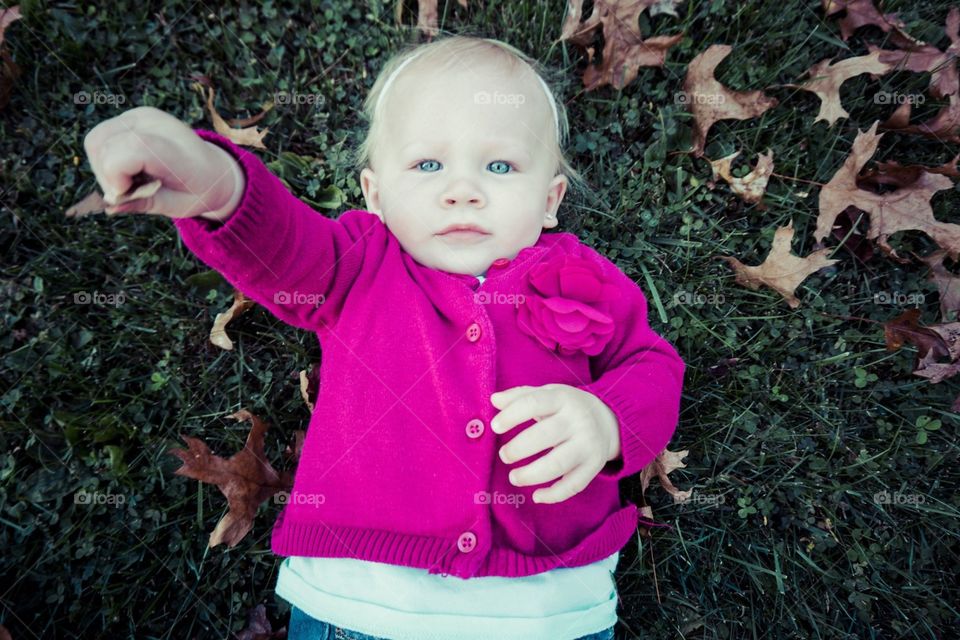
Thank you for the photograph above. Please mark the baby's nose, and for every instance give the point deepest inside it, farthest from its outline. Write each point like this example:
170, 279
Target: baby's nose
463, 191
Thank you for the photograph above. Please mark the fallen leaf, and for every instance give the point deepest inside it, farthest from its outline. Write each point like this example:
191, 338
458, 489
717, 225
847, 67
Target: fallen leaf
661, 467
862, 13
933, 342
250, 137
141, 186
246, 479
710, 101
752, 186
947, 284
904, 209
624, 49
259, 628
856, 243
426, 16
310, 386
218, 333
825, 79
782, 271
944, 126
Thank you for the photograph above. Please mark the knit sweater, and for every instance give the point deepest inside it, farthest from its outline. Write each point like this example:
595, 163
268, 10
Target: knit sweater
399, 464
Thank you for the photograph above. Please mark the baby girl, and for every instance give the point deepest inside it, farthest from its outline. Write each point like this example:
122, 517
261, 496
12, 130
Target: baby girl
484, 386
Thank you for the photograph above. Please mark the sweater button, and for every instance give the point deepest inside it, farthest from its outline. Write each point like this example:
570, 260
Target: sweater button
473, 332
475, 428
467, 541
500, 262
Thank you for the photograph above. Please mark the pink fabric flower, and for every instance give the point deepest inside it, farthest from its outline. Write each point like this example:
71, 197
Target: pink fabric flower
570, 312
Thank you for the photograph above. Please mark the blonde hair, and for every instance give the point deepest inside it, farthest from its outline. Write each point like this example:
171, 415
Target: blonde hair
446, 49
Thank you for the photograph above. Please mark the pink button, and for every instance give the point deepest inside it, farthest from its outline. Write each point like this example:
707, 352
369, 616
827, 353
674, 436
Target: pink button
473, 332
475, 428
500, 262
467, 541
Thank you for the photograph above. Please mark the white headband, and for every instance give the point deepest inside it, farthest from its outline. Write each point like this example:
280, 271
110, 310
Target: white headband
396, 72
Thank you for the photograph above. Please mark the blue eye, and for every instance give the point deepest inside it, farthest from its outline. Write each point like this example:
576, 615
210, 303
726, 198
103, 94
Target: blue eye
500, 163
423, 162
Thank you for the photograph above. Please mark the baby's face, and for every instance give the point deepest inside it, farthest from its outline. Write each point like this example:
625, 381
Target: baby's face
470, 147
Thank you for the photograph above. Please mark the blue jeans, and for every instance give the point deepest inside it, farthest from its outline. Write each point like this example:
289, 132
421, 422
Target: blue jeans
303, 627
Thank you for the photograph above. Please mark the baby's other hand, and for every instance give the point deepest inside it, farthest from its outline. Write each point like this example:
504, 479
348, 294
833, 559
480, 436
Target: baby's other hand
583, 432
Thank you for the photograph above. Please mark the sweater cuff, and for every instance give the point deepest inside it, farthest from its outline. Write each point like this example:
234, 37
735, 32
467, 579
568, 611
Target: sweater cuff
646, 416
220, 244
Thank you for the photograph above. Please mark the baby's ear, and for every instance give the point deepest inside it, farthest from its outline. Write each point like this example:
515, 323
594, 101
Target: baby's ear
371, 191
555, 192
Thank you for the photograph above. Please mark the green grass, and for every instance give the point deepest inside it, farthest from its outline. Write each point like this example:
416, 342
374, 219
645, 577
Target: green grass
813, 421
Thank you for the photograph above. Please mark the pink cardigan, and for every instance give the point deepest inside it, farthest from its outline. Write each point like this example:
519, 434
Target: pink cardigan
399, 464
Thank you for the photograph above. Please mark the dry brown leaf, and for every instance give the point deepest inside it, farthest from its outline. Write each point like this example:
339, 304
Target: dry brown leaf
947, 284
141, 186
933, 342
624, 49
921, 57
661, 467
426, 16
218, 333
825, 80
752, 186
782, 271
861, 13
4, 634
259, 627
310, 386
250, 137
246, 479
905, 209
710, 101
944, 126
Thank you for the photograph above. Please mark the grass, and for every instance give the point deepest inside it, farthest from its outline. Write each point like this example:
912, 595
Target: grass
789, 447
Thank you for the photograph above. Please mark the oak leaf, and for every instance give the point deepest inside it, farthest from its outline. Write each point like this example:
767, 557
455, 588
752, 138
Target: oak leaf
782, 271
661, 467
426, 16
904, 209
142, 185
825, 79
249, 136
259, 628
862, 13
246, 479
750, 187
947, 284
218, 333
943, 126
933, 342
710, 101
624, 49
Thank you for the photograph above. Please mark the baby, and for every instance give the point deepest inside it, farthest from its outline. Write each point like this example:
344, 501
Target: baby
484, 386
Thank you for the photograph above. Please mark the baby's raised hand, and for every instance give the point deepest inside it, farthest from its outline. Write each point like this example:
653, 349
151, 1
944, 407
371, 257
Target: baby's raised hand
197, 178
582, 430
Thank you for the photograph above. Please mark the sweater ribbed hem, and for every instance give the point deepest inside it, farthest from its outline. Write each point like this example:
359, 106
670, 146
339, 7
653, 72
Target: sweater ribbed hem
440, 555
